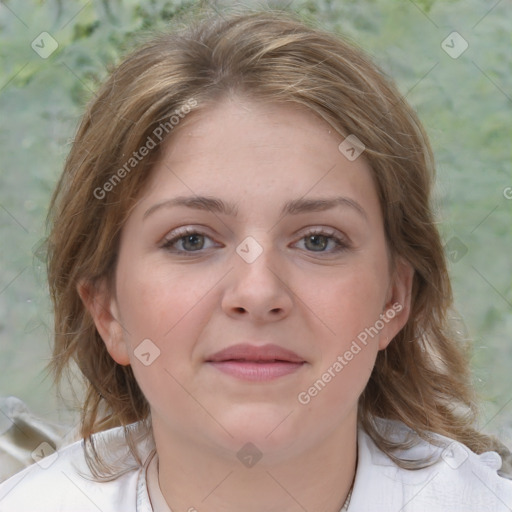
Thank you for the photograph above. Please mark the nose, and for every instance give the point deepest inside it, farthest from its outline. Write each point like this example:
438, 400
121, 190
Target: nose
257, 288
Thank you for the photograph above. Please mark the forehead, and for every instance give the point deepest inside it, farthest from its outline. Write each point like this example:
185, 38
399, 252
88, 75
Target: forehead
253, 153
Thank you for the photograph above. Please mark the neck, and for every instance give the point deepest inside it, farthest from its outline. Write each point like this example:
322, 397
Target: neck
195, 477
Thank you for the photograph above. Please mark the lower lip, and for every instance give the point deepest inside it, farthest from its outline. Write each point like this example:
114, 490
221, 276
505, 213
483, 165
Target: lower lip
249, 370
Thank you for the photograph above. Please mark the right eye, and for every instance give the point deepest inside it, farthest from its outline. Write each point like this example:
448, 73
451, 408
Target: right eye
187, 240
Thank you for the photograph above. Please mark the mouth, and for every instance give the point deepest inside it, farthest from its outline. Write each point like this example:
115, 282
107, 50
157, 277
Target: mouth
256, 363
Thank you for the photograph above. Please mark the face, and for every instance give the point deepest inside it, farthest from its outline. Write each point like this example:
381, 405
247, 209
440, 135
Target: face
288, 249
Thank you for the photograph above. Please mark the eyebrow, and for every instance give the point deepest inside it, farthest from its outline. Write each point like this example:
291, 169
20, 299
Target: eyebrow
293, 207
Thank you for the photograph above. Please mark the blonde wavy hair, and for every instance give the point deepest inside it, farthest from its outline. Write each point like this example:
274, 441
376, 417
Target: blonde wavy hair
422, 379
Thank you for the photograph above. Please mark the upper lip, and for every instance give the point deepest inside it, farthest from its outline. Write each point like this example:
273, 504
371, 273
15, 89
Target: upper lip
248, 352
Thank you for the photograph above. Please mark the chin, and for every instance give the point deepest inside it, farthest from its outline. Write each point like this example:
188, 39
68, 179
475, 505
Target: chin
269, 427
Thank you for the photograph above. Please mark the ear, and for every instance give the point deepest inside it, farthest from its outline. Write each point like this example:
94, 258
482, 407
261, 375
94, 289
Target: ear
103, 309
398, 302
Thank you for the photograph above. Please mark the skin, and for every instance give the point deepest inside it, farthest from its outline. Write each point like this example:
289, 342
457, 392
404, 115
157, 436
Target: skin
314, 302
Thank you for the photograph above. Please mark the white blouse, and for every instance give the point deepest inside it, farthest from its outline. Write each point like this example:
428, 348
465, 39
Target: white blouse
459, 481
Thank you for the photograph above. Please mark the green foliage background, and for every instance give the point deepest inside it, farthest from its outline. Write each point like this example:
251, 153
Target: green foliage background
465, 104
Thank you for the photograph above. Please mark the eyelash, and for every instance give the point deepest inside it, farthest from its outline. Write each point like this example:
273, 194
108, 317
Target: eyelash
340, 244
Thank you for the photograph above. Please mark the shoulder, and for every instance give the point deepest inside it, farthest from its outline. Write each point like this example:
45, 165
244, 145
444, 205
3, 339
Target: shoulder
63, 481
457, 480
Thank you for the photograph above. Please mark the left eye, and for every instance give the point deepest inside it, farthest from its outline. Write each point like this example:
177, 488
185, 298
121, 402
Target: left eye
319, 241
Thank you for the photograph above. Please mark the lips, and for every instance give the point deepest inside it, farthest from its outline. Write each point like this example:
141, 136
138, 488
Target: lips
256, 363
258, 354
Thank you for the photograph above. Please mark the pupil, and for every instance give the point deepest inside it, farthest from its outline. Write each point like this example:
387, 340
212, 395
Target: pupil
316, 238
193, 242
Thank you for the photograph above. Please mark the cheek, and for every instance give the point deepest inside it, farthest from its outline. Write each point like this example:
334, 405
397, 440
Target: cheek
156, 303
350, 300
164, 308
347, 305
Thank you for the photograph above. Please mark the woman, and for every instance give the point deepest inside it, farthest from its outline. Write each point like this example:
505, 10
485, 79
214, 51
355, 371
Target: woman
245, 267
